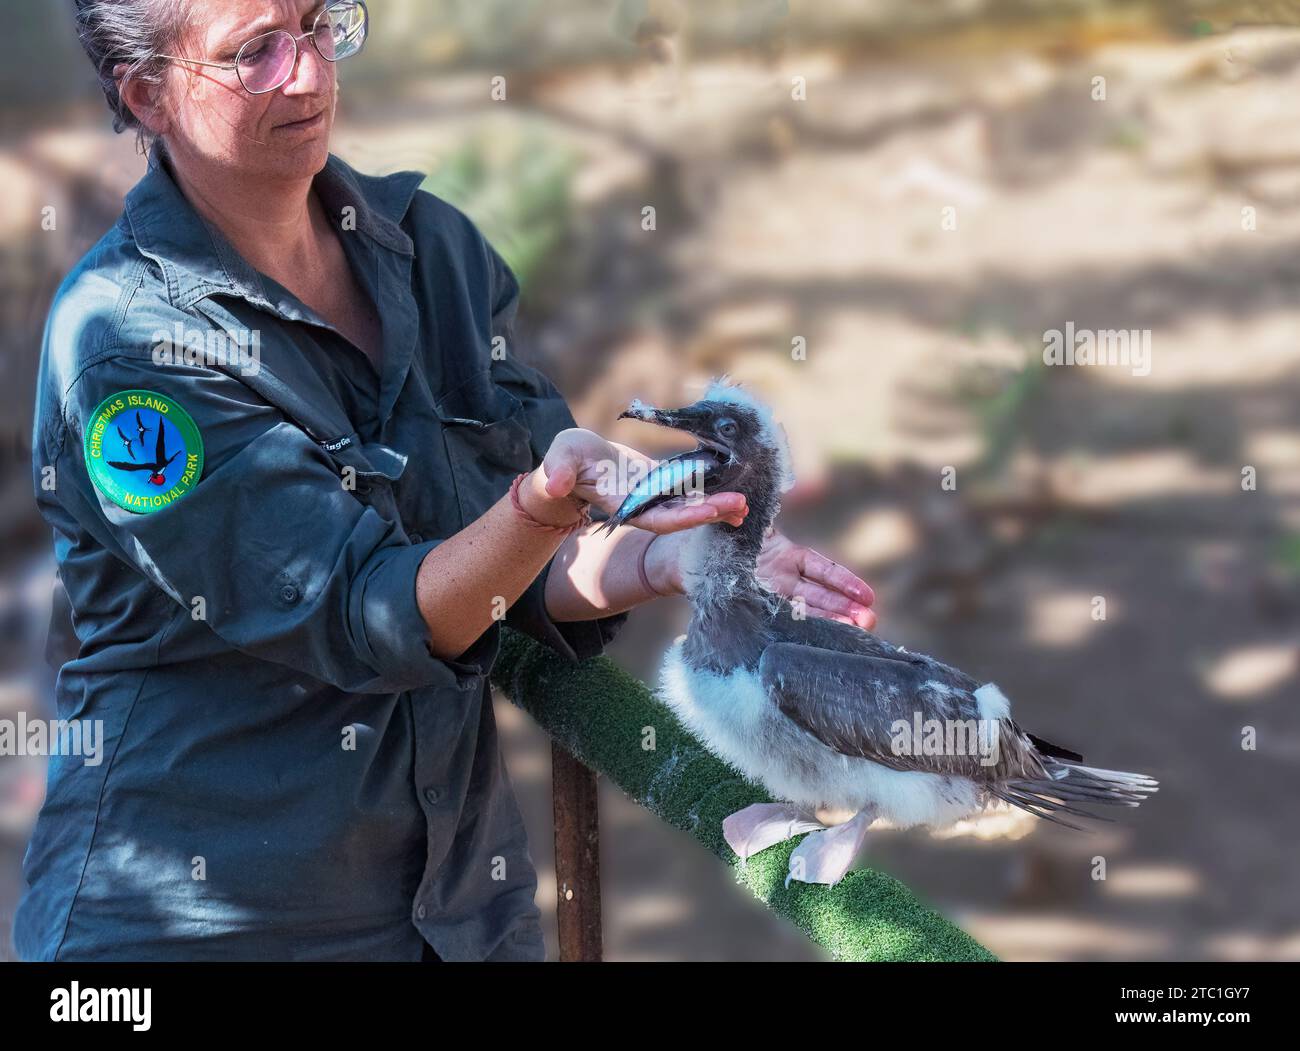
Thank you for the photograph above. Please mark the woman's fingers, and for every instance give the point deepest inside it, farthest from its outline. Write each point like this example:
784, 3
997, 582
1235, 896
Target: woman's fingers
866, 623
575, 465
679, 514
835, 577
863, 618
835, 605
833, 591
560, 479
827, 589
563, 462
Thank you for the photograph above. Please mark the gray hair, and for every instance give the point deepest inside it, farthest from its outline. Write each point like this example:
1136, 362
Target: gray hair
134, 34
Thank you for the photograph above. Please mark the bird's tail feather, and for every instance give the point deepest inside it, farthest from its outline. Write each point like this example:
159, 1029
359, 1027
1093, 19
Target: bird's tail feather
1069, 783
1053, 750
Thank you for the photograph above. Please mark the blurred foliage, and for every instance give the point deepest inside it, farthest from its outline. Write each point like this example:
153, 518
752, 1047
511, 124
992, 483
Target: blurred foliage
41, 61
1287, 554
517, 187
1001, 403
1129, 134
485, 23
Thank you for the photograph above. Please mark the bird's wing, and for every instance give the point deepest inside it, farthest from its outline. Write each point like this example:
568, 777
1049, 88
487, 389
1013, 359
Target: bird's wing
121, 466
907, 714
160, 452
824, 633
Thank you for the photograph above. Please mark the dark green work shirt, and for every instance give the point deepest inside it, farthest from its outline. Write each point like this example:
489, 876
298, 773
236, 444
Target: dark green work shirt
287, 772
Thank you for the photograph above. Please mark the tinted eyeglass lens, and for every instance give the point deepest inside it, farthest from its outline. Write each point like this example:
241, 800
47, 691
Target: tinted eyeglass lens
265, 61
341, 31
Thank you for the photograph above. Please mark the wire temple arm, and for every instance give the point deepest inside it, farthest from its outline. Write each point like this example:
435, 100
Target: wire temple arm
200, 62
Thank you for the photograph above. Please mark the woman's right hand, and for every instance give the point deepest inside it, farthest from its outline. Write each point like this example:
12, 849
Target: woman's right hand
576, 470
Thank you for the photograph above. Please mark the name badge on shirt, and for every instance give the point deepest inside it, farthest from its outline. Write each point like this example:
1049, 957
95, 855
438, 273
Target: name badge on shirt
143, 451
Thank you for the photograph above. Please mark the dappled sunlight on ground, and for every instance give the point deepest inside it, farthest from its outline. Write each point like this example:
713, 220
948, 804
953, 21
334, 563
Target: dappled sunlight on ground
1245, 673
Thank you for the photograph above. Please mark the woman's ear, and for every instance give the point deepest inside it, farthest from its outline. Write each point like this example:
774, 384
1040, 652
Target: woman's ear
145, 100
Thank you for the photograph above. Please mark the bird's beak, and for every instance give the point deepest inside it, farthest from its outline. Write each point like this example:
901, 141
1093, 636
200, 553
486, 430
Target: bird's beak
639, 410
693, 419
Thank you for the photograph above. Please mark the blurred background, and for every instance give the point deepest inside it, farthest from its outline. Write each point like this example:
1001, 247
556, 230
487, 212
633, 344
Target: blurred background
870, 212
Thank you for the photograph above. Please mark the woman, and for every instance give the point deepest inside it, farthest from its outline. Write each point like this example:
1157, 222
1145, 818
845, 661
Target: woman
293, 491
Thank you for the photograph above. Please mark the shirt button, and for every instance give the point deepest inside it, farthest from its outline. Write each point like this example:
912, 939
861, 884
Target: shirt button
289, 593
421, 912
417, 538
432, 795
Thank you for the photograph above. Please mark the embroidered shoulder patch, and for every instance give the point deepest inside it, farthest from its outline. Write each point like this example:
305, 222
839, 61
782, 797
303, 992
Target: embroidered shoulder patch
143, 451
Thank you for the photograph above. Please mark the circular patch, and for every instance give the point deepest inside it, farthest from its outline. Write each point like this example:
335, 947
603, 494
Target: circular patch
143, 451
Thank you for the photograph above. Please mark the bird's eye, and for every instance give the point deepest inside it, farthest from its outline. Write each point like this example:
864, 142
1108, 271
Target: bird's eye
727, 429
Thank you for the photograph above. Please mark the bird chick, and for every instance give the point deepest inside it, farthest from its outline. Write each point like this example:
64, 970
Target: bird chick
831, 719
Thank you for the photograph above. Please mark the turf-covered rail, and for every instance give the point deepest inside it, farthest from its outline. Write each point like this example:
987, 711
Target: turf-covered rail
600, 713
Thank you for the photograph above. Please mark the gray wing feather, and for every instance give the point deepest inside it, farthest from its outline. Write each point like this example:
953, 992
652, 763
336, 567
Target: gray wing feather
852, 701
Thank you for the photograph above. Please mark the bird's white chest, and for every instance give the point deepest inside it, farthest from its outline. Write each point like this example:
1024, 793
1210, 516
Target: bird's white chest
733, 716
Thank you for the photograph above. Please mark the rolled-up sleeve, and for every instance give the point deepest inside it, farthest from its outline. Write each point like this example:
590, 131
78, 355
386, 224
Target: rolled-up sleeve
547, 414
269, 547
384, 607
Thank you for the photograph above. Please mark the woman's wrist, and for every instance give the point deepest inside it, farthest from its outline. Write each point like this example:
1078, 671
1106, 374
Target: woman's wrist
661, 559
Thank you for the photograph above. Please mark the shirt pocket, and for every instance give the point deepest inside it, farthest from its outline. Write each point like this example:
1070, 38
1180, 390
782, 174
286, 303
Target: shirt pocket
487, 436
369, 471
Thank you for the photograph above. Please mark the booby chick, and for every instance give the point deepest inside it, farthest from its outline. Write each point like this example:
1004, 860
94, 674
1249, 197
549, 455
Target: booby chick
839, 725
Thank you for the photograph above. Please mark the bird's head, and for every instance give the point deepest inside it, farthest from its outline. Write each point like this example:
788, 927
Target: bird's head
741, 431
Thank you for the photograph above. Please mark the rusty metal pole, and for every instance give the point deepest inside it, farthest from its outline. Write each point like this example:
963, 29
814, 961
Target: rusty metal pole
577, 856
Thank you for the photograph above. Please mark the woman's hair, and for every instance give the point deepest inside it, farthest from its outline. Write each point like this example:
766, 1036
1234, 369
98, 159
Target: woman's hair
134, 34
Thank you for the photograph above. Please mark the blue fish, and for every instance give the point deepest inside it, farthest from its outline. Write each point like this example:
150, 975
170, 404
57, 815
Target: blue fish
682, 475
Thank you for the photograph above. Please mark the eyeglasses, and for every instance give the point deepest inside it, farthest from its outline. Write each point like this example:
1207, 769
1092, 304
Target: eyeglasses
267, 61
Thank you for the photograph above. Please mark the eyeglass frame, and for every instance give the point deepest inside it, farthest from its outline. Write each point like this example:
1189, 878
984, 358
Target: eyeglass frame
297, 50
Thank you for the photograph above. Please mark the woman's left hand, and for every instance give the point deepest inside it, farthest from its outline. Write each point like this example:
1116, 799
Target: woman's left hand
827, 588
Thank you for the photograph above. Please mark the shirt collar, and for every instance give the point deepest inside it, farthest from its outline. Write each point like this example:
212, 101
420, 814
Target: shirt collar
197, 260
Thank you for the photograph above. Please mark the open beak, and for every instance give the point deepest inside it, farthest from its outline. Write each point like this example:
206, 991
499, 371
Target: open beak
694, 420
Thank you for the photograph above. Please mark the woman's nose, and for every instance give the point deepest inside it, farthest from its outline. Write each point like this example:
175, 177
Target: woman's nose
310, 73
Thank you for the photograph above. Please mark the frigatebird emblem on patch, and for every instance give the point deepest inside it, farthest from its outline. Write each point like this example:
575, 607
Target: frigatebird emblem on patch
143, 451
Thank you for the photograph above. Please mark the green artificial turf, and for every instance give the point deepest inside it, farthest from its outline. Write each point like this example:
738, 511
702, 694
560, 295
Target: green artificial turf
604, 716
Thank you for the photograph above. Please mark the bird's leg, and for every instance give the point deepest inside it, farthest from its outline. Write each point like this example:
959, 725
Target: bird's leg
826, 856
829, 815
762, 825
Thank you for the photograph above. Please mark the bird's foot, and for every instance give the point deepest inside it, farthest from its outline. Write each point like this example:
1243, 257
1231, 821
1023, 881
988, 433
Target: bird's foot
763, 825
826, 856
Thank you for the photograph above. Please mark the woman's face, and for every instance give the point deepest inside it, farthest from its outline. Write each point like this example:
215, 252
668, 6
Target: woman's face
212, 120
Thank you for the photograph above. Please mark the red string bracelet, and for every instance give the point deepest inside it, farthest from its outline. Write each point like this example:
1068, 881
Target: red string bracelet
583, 519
